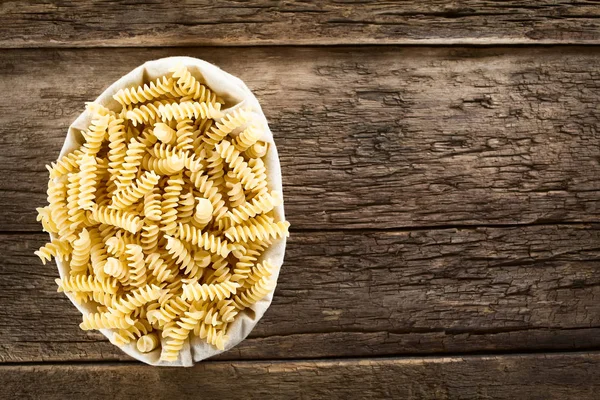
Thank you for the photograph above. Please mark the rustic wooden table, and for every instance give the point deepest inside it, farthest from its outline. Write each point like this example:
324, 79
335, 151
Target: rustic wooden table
441, 165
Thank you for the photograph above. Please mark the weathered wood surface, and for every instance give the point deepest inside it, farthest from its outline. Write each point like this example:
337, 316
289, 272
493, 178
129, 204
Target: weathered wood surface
126, 23
550, 376
363, 294
368, 137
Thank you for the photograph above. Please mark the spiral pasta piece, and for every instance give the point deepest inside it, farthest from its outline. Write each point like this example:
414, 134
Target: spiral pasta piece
202, 127
189, 109
137, 266
185, 209
44, 216
146, 113
117, 244
227, 124
191, 87
95, 135
203, 212
236, 162
117, 269
147, 343
76, 215
259, 205
257, 150
160, 268
184, 134
136, 190
105, 321
66, 164
87, 182
122, 219
204, 292
176, 337
260, 172
152, 205
59, 249
150, 236
57, 196
205, 240
207, 188
83, 283
98, 255
192, 162
215, 169
246, 138
131, 163
254, 231
253, 294
213, 335
261, 270
221, 272
144, 92
165, 133
164, 166
180, 254
227, 310
81, 253
170, 310
138, 329
117, 138
137, 298
170, 202
235, 193
103, 299
246, 262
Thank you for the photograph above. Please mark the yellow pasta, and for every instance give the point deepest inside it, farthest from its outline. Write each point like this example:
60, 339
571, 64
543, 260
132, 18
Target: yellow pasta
105, 321
203, 212
81, 253
236, 162
121, 219
64, 165
117, 269
165, 133
191, 87
162, 217
147, 343
184, 134
87, 182
226, 125
257, 231
257, 150
144, 93
179, 111
135, 191
246, 138
57, 248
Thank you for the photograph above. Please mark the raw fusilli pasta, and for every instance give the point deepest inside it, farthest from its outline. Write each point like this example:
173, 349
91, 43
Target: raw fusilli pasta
163, 215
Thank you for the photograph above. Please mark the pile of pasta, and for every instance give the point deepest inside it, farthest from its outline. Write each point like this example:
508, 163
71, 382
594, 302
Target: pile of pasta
163, 216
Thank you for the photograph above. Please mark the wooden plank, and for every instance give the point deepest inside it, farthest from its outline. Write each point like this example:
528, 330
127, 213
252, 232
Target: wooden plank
192, 23
363, 294
368, 137
543, 376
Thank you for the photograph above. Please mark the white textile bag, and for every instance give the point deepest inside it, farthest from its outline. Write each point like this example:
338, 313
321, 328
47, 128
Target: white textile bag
236, 94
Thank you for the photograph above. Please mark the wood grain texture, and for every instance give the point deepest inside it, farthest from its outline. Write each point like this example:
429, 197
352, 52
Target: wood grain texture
363, 294
368, 137
192, 23
548, 377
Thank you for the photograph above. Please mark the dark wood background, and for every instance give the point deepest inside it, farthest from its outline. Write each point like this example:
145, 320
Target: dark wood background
441, 165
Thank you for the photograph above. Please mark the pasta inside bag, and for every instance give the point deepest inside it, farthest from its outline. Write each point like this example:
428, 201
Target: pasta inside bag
235, 95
